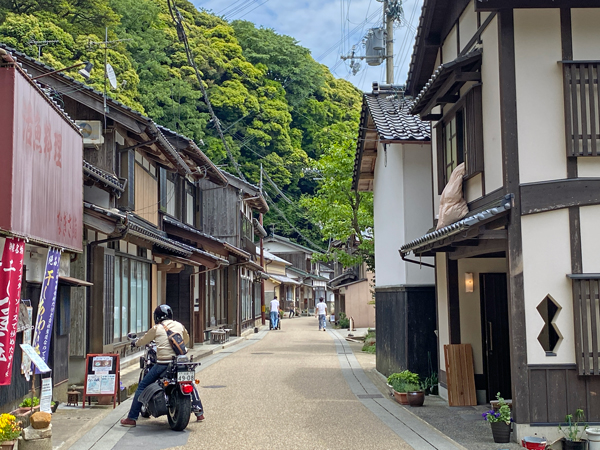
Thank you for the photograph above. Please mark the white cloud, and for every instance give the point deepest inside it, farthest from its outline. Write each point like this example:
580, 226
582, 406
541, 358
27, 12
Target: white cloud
320, 24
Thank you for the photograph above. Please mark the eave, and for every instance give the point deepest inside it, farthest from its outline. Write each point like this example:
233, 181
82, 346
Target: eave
496, 5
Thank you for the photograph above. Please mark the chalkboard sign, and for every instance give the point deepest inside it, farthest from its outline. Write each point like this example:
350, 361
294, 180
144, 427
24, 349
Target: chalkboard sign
102, 377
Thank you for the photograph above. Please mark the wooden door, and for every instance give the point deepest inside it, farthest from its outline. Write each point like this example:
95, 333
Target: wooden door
495, 334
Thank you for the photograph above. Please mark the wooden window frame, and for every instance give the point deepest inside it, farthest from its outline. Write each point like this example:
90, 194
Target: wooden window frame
467, 113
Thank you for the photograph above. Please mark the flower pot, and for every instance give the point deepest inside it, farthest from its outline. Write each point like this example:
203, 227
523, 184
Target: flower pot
54, 407
8, 445
415, 398
501, 432
401, 397
593, 435
574, 445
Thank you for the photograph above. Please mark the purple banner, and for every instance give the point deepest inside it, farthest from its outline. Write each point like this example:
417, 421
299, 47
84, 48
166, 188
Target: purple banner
47, 306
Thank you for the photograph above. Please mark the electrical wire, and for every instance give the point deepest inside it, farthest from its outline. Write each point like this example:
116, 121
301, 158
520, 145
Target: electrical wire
178, 20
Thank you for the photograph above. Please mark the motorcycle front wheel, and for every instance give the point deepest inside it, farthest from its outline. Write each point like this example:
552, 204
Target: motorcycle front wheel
180, 409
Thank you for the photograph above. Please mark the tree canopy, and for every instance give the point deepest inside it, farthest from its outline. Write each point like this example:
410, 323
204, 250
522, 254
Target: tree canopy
277, 106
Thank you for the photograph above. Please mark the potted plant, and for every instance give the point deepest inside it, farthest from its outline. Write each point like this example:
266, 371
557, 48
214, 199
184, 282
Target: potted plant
399, 391
415, 395
572, 439
430, 385
54, 405
500, 421
10, 430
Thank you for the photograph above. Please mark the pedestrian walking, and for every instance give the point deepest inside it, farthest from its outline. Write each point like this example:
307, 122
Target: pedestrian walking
291, 312
321, 311
274, 313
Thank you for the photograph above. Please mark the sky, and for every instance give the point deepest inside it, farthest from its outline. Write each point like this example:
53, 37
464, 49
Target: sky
329, 29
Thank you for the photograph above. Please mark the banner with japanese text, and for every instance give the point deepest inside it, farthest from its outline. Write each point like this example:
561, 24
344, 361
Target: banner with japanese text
10, 297
47, 305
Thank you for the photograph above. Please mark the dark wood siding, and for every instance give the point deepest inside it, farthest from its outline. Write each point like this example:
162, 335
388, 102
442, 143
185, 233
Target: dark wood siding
220, 212
441, 170
556, 391
406, 320
179, 298
474, 132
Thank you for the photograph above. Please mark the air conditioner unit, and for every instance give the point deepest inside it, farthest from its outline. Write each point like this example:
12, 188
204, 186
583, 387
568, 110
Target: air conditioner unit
91, 130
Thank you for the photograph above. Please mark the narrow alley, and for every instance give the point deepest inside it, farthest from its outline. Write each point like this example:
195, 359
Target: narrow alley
295, 388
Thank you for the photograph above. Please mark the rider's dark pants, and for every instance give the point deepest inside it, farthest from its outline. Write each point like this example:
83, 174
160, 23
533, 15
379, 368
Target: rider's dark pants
153, 374
196, 403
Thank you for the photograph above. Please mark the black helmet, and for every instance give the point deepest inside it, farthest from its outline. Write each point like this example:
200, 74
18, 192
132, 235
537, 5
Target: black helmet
162, 312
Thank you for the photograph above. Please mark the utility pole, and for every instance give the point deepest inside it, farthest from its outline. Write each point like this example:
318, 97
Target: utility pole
262, 257
388, 19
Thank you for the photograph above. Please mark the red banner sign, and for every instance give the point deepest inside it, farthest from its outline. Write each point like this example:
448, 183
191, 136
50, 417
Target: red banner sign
11, 272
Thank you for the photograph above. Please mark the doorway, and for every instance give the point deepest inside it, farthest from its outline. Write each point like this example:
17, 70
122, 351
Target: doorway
495, 334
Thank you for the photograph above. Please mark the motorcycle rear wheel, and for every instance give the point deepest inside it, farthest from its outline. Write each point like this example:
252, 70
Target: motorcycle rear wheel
180, 409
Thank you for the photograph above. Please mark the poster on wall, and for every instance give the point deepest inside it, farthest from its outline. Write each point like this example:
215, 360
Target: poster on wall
10, 294
47, 305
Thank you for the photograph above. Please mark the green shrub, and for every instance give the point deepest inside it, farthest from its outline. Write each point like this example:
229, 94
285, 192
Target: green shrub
343, 321
26, 403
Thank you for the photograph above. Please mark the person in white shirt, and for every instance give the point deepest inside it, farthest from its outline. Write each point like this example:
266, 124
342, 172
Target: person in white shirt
321, 312
274, 313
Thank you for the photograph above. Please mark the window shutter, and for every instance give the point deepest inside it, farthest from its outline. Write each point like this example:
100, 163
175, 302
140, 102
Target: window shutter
127, 200
441, 165
474, 132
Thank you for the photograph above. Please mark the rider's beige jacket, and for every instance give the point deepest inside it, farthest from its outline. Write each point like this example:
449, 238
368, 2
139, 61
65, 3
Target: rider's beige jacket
164, 351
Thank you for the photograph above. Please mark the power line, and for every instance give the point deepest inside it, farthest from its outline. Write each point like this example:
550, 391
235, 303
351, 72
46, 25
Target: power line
178, 19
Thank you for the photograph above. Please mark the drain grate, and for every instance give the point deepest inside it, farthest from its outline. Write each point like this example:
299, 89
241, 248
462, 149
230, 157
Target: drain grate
369, 396
214, 386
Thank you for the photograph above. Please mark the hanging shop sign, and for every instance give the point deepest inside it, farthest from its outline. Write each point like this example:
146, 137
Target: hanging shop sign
11, 272
47, 305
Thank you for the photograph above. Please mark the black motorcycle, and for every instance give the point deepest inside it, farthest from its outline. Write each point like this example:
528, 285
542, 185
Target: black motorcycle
171, 394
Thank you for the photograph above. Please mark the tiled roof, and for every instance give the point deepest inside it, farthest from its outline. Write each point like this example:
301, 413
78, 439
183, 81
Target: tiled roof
393, 119
472, 219
440, 75
103, 176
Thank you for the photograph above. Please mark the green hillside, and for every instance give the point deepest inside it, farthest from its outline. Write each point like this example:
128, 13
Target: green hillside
277, 105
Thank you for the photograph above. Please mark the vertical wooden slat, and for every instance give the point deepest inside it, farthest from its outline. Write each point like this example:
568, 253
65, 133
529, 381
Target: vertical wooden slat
594, 325
575, 120
577, 318
441, 165
585, 292
583, 104
568, 110
593, 143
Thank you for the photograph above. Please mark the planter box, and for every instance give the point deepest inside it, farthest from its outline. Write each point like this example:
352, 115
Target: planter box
401, 397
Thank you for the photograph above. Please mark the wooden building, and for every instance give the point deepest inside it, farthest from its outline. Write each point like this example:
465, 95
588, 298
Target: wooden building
511, 90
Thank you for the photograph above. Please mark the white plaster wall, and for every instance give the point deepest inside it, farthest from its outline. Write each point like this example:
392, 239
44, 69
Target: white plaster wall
490, 92
539, 88
586, 33
590, 242
442, 306
473, 188
449, 51
388, 216
467, 25
470, 303
588, 167
546, 262
417, 204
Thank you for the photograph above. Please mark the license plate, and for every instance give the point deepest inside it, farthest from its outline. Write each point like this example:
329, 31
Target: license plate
185, 376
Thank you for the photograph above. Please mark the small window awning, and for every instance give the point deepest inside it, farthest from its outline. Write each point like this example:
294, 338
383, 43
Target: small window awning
74, 282
253, 266
284, 280
444, 85
465, 232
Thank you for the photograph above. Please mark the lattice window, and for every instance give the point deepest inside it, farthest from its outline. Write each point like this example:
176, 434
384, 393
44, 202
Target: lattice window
582, 107
586, 312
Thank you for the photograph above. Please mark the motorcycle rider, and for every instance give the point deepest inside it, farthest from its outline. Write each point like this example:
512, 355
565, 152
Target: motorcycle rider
163, 317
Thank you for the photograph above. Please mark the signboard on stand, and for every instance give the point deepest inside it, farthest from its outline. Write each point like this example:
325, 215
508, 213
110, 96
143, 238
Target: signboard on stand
102, 377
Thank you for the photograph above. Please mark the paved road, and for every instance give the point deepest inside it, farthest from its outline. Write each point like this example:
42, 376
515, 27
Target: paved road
294, 388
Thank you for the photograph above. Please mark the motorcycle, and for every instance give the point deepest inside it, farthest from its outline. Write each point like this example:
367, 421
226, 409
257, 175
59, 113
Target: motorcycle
171, 394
